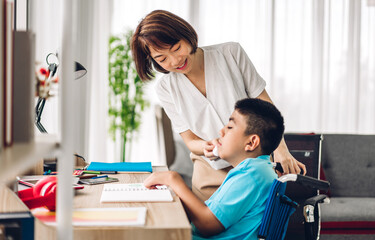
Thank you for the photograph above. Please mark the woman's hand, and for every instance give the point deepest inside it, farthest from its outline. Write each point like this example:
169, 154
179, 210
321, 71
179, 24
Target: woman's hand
288, 162
282, 154
209, 147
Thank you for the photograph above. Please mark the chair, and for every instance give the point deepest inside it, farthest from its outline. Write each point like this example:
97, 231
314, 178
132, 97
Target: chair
280, 207
166, 146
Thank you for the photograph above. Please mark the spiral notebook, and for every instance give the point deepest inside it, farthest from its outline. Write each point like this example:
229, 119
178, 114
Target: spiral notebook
134, 192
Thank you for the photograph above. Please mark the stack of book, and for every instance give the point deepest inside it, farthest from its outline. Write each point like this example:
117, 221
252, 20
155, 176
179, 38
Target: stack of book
17, 81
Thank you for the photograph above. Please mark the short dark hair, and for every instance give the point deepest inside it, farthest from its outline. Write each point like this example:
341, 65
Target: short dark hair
159, 29
264, 120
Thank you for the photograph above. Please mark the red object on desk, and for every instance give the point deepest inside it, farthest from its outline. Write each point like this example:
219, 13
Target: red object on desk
42, 194
78, 172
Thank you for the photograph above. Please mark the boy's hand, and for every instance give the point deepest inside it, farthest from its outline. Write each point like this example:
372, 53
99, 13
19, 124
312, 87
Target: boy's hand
197, 211
209, 147
169, 178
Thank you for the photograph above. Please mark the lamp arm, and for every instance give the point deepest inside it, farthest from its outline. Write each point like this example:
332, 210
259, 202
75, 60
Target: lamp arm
38, 114
52, 68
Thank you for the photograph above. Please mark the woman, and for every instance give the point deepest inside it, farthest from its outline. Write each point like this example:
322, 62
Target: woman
199, 90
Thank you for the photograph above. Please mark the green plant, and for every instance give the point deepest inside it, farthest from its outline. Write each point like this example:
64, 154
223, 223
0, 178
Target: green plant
126, 100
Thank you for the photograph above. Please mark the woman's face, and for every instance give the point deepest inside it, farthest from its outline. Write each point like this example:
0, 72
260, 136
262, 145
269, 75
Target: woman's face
177, 58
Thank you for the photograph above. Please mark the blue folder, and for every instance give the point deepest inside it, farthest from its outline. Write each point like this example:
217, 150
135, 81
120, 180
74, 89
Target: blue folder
121, 166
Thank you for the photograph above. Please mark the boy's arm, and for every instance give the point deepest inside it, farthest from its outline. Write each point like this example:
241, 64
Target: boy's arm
202, 217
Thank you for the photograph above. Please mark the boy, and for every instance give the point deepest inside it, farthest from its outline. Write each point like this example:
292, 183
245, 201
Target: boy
235, 210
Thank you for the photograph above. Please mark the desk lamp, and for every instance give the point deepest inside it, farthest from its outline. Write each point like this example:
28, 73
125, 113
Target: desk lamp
79, 71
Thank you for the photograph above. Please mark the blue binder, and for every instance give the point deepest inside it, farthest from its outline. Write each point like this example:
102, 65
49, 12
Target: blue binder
121, 166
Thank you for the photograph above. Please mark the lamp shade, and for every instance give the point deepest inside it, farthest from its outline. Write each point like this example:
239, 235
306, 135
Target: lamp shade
79, 70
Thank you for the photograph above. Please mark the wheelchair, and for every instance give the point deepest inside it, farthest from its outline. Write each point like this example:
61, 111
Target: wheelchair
292, 210
280, 207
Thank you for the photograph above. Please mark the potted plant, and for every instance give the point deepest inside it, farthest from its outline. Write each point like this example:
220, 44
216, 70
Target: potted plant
126, 101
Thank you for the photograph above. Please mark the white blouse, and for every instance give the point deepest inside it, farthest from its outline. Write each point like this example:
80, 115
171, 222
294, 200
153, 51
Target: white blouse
229, 75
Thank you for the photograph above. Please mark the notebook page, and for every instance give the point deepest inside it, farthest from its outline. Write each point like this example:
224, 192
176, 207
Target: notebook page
134, 192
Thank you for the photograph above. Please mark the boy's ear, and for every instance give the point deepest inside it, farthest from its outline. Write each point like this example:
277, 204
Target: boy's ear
253, 142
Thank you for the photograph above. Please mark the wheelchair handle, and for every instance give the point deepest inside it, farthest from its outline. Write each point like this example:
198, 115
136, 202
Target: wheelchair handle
277, 166
313, 182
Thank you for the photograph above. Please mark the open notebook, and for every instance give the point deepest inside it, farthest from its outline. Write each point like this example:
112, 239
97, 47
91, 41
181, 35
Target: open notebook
134, 192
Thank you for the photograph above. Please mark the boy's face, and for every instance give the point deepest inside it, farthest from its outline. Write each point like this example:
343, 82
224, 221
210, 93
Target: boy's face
233, 139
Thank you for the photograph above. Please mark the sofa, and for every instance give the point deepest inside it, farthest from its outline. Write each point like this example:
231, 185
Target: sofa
348, 163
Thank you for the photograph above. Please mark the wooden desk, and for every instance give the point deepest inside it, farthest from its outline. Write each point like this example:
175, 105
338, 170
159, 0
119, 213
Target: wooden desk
163, 221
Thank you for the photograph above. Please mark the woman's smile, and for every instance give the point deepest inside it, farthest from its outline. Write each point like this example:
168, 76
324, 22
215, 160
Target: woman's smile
183, 66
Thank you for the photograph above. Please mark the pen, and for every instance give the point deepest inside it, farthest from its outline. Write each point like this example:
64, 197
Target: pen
100, 177
92, 172
100, 172
85, 176
108, 172
25, 183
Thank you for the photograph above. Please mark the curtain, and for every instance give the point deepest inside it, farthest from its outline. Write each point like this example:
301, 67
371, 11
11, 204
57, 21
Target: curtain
93, 25
324, 59
316, 56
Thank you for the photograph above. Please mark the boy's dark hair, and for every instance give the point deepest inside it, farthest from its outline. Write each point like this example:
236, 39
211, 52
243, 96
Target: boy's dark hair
160, 29
264, 120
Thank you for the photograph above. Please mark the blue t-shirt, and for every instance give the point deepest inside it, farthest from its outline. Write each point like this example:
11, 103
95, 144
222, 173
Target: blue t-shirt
239, 202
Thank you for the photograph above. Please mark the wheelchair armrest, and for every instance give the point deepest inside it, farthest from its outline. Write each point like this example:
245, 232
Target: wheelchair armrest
310, 211
312, 216
306, 181
315, 200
